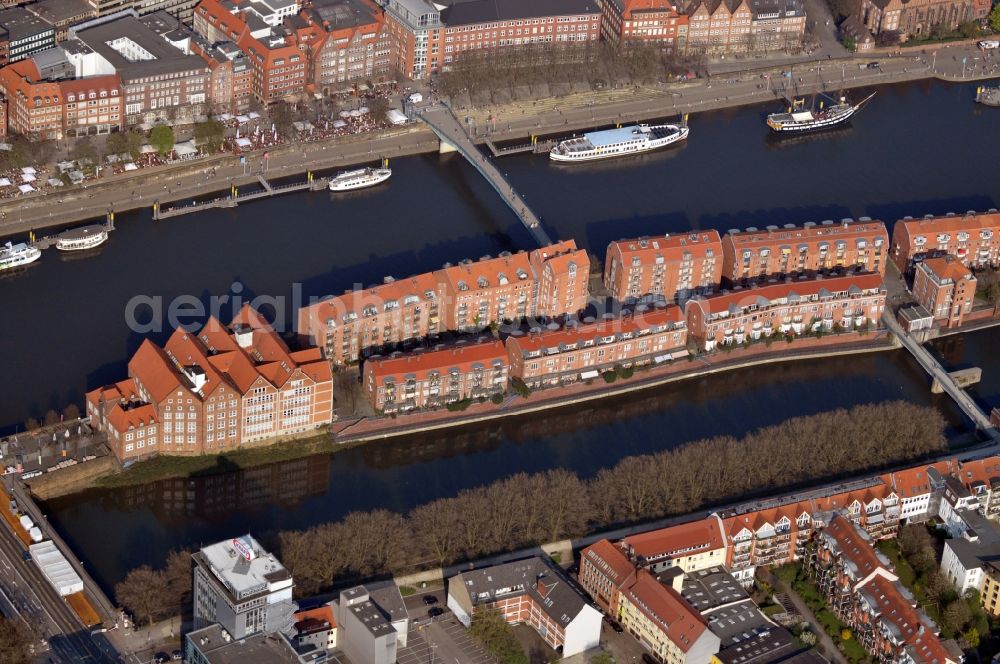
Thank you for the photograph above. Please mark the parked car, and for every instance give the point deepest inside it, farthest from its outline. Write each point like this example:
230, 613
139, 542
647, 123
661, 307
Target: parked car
430, 599
177, 655
648, 659
435, 611
26, 555
161, 658
617, 626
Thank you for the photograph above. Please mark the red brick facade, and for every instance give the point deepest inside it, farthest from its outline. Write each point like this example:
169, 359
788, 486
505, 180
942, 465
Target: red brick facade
972, 238
669, 268
946, 288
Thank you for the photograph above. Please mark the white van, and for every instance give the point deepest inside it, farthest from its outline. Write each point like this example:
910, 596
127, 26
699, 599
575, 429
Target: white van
988, 44
415, 98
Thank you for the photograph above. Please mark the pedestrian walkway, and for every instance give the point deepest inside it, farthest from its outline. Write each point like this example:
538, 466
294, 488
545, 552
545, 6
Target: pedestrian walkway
447, 127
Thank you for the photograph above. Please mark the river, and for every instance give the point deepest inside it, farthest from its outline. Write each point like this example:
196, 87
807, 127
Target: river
917, 148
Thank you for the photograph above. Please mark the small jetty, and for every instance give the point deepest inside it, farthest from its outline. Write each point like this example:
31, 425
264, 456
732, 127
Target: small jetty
535, 147
234, 198
988, 96
48, 241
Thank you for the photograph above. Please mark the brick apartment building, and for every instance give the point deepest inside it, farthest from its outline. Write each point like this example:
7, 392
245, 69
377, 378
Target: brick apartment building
580, 351
718, 27
219, 389
972, 238
651, 21
498, 24
359, 323
861, 587
230, 83
437, 377
604, 571
789, 308
357, 44
671, 268
946, 288
756, 254
469, 296
44, 109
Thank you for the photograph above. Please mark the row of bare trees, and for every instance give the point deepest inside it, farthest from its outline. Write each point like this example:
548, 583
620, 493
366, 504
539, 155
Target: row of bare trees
527, 509
535, 71
152, 595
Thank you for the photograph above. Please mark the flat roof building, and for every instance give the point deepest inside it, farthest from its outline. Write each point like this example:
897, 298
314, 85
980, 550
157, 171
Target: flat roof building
243, 588
214, 645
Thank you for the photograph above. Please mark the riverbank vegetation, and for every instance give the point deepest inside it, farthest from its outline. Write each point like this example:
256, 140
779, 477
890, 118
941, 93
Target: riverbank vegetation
528, 509
536, 71
157, 594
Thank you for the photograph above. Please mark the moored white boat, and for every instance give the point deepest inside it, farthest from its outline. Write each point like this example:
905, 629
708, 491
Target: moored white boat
800, 121
359, 179
16, 255
81, 239
619, 142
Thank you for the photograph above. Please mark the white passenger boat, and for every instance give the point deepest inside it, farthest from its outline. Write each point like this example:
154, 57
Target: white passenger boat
81, 239
365, 177
16, 255
618, 142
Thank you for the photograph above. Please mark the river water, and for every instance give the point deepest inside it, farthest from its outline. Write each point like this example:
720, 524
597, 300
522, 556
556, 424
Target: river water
916, 149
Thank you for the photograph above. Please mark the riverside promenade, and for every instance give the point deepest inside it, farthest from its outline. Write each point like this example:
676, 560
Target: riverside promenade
557, 116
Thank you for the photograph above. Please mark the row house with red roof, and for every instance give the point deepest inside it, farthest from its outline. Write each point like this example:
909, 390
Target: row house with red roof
756, 255
787, 309
861, 587
219, 389
946, 288
651, 21
974, 239
436, 377
547, 282
670, 268
580, 351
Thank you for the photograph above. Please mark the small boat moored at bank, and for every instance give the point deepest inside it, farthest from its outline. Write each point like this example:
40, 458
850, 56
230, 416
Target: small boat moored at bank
83, 238
800, 120
618, 142
988, 95
361, 178
17, 255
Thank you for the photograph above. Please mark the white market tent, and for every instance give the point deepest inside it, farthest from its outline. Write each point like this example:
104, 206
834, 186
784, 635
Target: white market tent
363, 110
345, 114
4, 182
396, 117
243, 142
25, 188
131, 167
147, 149
28, 177
53, 182
225, 117
339, 123
28, 170
242, 119
185, 149
253, 115
56, 568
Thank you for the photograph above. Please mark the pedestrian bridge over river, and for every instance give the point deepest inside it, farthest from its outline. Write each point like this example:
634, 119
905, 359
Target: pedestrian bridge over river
443, 122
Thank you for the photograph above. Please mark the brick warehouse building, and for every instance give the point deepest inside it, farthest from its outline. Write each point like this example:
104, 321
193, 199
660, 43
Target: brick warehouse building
972, 238
789, 308
670, 268
756, 254
219, 389
655, 21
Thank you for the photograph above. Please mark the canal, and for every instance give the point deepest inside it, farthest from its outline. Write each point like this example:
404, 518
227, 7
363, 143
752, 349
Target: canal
66, 328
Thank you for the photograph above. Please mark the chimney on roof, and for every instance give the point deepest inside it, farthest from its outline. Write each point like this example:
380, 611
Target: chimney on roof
243, 335
540, 586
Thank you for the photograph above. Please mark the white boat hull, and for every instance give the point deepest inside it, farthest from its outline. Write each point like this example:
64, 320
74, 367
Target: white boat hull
26, 257
814, 125
82, 244
622, 151
360, 179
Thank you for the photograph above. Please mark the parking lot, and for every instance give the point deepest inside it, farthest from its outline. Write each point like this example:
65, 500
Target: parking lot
444, 641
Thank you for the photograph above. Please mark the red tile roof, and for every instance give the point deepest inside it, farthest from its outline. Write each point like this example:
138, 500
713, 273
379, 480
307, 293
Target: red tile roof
665, 607
950, 223
419, 363
684, 539
610, 560
947, 267
854, 547
819, 232
632, 324
671, 247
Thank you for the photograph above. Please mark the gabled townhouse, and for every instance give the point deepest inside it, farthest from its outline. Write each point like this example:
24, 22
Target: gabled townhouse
563, 273
671, 268
219, 389
357, 45
776, 24
433, 378
650, 21
973, 238
768, 537
786, 309
755, 255
533, 592
718, 27
581, 351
